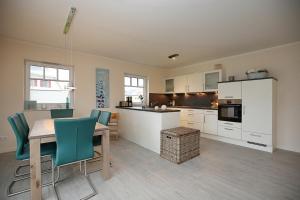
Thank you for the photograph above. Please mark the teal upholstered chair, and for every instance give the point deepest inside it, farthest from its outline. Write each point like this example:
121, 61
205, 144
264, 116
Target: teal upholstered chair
61, 113
22, 150
95, 114
97, 140
25, 124
26, 131
103, 119
74, 138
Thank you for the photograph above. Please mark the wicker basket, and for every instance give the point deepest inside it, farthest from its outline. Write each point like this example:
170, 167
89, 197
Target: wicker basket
179, 144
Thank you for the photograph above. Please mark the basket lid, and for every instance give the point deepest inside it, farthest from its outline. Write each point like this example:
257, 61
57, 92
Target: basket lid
178, 131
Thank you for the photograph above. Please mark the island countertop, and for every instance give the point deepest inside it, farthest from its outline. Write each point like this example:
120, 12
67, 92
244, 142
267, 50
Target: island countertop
147, 109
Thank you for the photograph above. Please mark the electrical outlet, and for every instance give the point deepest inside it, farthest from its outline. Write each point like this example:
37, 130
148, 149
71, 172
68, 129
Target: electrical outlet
3, 138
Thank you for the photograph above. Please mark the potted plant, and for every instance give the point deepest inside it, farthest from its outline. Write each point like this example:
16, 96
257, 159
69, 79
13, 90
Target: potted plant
142, 101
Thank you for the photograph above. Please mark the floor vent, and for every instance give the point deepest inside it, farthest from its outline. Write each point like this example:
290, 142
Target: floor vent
258, 144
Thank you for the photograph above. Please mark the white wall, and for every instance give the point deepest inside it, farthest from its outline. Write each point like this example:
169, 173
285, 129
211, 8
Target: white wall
12, 55
283, 63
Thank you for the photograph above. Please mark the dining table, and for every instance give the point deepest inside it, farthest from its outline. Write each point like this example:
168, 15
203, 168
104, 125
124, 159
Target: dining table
43, 131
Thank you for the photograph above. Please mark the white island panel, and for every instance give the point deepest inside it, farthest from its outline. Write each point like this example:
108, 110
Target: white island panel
143, 127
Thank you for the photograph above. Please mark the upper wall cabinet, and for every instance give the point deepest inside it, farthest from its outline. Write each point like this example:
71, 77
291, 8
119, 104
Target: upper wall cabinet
180, 83
169, 85
230, 90
211, 80
194, 82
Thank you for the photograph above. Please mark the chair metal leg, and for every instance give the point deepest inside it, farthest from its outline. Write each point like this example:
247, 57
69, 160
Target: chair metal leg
10, 193
53, 182
90, 183
97, 158
85, 168
85, 175
17, 174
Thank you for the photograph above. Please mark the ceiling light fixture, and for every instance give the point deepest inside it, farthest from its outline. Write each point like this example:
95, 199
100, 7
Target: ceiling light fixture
174, 56
69, 20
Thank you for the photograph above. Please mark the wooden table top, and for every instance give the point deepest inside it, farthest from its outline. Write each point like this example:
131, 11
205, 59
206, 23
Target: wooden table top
45, 129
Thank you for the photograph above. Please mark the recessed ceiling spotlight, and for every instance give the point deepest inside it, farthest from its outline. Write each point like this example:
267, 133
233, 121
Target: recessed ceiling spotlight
174, 56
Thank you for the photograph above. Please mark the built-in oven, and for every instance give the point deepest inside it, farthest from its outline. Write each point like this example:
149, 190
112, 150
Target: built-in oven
230, 110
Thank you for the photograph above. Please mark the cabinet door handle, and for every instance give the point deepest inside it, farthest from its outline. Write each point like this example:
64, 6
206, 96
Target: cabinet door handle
255, 135
244, 110
229, 97
228, 129
190, 123
228, 123
209, 111
204, 119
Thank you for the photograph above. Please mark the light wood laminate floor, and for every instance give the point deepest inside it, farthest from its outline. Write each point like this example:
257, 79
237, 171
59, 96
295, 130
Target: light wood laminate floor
222, 171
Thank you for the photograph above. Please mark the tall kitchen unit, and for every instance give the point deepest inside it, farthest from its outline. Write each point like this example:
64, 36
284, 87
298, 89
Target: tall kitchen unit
259, 113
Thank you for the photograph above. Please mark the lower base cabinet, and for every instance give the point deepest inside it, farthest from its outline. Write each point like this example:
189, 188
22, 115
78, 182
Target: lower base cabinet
257, 138
230, 132
210, 125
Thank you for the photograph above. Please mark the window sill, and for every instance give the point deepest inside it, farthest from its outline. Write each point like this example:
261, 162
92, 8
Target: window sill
45, 109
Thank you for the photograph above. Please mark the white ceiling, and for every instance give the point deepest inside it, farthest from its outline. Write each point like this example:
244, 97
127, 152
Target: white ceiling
148, 31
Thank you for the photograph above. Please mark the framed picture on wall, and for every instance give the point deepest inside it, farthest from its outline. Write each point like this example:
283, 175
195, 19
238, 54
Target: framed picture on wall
102, 88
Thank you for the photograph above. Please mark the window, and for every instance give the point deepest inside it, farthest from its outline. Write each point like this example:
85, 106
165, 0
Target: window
134, 87
48, 86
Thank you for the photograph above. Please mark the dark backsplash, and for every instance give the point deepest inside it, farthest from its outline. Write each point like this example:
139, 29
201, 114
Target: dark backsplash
197, 99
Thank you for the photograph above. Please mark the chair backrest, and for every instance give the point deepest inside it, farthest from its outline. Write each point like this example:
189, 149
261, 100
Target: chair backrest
95, 114
19, 132
61, 113
24, 123
104, 117
74, 139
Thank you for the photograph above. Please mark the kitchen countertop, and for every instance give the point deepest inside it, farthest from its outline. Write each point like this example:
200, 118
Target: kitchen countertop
147, 109
194, 107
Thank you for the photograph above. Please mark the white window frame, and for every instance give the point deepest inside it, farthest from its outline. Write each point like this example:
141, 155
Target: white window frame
145, 93
47, 106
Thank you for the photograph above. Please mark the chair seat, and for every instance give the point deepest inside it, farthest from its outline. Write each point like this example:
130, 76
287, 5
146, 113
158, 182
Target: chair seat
97, 140
46, 149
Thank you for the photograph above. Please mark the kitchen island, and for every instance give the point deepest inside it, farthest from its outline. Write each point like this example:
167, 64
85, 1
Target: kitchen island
143, 125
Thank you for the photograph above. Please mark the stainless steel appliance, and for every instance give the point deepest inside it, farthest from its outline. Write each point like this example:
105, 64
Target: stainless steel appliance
230, 110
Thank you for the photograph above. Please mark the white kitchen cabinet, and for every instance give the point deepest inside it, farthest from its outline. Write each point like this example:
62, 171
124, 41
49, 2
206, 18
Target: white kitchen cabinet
195, 125
230, 129
180, 84
230, 132
195, 82
230, 90
257, 138
204, 120
211, 80
258, 111
169, 85
210, 123
257, 106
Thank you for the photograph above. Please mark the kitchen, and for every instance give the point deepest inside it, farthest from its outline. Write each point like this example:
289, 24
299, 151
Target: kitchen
227, 111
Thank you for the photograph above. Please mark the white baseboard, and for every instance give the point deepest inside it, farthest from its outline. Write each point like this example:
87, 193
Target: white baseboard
238, 142
6, 150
